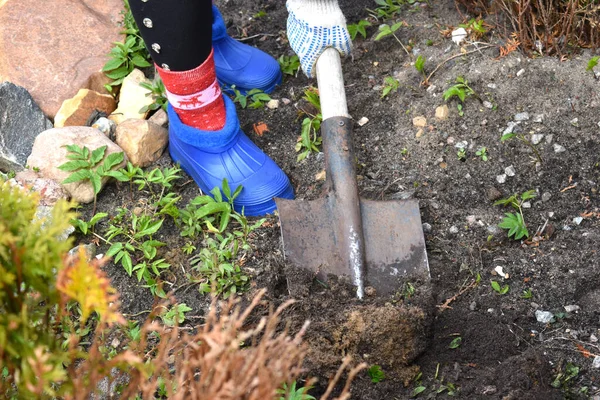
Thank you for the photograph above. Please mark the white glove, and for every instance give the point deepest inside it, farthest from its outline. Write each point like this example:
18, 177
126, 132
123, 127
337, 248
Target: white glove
313, 26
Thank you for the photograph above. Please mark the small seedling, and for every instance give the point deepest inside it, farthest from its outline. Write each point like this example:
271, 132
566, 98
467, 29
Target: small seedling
85, 227
386, 30
158, 94
386, 9
462, 90
359, 27
522, 138
515, 222
527, 294
461, 154
420, 66
429, 42
499, 289
476, 26
482, 153
404, 151
175, 315
455, 343
376, 373
391, 86
592, 63
260, 14
309, 140
408, 291
188, 248
564, 378
289, 64
294, 393
257, 98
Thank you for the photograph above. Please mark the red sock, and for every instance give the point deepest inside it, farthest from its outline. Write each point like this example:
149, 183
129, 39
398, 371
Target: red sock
195, 95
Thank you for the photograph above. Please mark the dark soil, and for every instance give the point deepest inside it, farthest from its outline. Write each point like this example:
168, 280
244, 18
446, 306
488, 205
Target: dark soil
505, 353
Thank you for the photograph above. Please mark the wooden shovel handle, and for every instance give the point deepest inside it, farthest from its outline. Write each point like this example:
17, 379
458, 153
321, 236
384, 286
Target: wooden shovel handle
331, 85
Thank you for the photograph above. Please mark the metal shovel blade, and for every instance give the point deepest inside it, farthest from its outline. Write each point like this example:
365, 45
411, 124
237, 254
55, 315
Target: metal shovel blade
394, 245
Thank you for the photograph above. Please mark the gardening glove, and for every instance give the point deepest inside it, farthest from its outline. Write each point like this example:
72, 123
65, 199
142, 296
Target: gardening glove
312, 27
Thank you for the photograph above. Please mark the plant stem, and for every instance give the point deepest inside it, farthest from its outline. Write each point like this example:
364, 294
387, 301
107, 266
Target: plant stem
407, 53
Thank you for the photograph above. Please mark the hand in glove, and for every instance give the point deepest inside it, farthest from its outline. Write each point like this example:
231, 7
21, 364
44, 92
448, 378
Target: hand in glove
313, 26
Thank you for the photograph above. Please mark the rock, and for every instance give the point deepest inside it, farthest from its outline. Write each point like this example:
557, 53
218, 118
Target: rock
575, 122
536, 138
363, 121
526, 204
143, 141
453, 230
458, 35
510, 128
419, 133
487, 104
106, 126
132, 98
539, 118
593, 338
510, 171
426, 227
49, 190
493, 194
89, 250
489, 390
420, 122
403, 195
544, 317
572, 307
53, 49
558, 148
431, 89
549, 139
596, 362
546, 196
77, 110
501, 178
21, 120
521, 72
273, 104
286, 101
492, 86
442, 113
463, 144
524, 116
473, 306
321, 176
49, 152
577, 220
160, 117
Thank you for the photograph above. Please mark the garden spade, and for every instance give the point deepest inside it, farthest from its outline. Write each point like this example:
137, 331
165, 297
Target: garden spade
374, 243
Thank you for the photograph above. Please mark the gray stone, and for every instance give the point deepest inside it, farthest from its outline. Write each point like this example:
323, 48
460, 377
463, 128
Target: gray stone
21, 120
510, 171
546, 196
511, 127
577, 220
539, 118
501, 178
558, 148
536, 138
575, 122
572, 307
426, 227
524, 116
453, 229
596, 362
544, 317
487, 104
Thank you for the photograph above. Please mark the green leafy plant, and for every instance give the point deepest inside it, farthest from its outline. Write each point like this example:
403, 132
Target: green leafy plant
482, 153
476, 26
455, 343
387, 30
565, 378
385, 9
254, 98
260, 14
461, 154
524, 140
592, 63
358, 28
175, 315
420, 66
514, 223
294, 393
158, 94
309, 140
499, 289
391, 85
84, 165
462, 90
88, 226
376, 373
126, 56
527, 294
289, 64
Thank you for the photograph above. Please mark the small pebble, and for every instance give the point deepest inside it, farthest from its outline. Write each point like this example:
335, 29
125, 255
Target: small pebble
487, 104
526, 204
575, 122
510, 170
593, 338
558, 148
273, 104
521, 72
463, 144
544, 316
426, 227
473, 306
551, 214
362, 121
493, 194
539, 118
453, 229
549, 139
572, 307
577, 220
524, 116
546, 196
492, 86
431, 89
596, 362
501, 178
286, 101
536, 138
419, 122
510, 128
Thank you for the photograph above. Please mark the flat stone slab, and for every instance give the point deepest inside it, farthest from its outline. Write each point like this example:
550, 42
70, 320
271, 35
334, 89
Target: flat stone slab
53, 49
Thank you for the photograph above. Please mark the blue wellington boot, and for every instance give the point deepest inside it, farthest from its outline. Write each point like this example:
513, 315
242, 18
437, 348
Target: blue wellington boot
241, 65
210, 156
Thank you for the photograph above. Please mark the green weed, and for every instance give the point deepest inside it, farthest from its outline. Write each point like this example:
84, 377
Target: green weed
254, 98
461, 154
514, 223
527, 294
175, 315
499, 289
420, 66
462, 90
158, 94
592, 63
455, 343
387, 30
524, 140
358, 28
391, 85
376, 373
309, 140
476, 26
289, 64
482, 153
294, 393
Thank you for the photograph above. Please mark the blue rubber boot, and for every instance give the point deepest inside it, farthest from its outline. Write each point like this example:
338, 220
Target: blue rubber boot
210, 156
241, 65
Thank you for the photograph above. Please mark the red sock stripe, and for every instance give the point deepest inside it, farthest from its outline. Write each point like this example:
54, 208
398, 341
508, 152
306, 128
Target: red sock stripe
196, 95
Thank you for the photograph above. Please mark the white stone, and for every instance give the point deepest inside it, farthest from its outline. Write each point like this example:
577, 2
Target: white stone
453, 229
539, 118
558, 148
544, 317
572, 307
501, 178
273, 104
521, 72
577, 220
132, 98
596, 362
523, 116
510, 171
362, 121
536, 138
458, 35
510, 128
487, 104
492, 86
